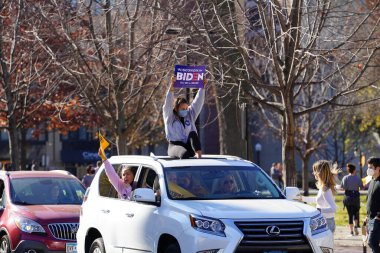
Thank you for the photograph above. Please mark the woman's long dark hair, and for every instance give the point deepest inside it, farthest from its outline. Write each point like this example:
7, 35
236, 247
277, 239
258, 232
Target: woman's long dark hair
177, 103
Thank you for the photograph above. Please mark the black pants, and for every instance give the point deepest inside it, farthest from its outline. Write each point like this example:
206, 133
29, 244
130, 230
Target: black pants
182, 150
353, 214
374, 235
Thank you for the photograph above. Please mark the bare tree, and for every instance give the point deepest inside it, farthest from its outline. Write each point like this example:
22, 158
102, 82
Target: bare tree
119, 56
24, 85
273, 52
311, 135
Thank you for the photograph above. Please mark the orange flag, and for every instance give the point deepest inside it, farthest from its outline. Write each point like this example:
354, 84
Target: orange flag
178, 192
103, 145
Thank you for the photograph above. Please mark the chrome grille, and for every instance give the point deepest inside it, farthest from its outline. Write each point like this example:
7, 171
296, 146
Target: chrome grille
255, 233
64, 231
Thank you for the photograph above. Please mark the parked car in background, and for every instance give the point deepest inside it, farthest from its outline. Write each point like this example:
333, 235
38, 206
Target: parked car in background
209, 205
39, 211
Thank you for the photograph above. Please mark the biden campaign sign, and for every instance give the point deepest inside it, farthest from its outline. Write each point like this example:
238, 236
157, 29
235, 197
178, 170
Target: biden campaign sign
189, 76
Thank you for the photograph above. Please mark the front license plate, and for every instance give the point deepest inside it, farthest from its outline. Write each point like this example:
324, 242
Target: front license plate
71, 247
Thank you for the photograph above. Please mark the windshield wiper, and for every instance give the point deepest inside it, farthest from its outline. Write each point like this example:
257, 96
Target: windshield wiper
20, 202
190, 198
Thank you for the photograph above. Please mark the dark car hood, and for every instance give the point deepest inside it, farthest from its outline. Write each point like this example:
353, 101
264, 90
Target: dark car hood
50, 213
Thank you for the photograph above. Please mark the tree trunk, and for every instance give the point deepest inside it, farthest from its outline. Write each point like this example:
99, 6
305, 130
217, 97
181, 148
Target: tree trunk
121, 132
289, 162
121, 143
222, 127
23, 161
305, 176
229, 128
288, 146
14, 149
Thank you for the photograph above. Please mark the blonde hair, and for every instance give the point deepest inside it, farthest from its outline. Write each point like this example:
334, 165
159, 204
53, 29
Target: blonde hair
325, 173
232, 178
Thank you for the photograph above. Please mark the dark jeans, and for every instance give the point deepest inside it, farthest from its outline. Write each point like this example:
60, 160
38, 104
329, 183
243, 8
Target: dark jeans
353, 214
182, 150
374, 235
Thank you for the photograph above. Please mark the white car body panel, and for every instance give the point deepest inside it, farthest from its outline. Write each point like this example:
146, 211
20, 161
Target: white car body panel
262, 208
128, 226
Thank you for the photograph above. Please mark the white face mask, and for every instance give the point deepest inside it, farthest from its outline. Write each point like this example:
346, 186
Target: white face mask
370, 172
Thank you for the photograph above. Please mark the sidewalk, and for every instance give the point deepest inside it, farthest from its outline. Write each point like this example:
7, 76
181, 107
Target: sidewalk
345, 243
315, 191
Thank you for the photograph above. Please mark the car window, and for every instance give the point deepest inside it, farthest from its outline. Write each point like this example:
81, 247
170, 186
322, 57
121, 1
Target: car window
4, 199
147, 179
46, 191
106, 189
219, 182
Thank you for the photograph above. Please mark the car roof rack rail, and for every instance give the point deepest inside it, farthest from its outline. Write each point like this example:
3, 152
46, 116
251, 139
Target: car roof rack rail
206, 156
153, 156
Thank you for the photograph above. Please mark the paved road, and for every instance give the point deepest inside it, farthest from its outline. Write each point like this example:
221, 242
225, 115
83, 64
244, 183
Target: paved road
345, 243
351, 249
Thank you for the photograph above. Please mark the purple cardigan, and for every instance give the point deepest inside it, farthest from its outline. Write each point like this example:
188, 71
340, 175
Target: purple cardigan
123, 190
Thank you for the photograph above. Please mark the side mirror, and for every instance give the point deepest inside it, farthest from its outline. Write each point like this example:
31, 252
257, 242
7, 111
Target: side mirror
144, 195
292, 193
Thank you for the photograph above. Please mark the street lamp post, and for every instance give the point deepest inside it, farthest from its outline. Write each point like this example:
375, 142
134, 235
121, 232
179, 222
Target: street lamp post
258, 148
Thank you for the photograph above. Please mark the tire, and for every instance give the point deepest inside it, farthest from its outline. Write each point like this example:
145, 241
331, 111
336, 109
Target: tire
5, 246
172, 248
97, 246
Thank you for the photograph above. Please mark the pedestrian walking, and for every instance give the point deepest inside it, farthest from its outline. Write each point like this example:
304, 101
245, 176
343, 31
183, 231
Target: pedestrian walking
325, 199
275, 174
351, 184
280, 168
98, 164
34, 166
373, 204
87, 179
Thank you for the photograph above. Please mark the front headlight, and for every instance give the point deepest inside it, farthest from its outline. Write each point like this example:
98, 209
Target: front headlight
207, 225
318, 224
28, 225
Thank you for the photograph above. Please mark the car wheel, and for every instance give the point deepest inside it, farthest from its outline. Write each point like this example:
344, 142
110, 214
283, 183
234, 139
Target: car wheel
97, 246
5, 246
172, 248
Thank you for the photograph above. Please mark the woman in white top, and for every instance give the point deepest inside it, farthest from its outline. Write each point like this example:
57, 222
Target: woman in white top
325, 199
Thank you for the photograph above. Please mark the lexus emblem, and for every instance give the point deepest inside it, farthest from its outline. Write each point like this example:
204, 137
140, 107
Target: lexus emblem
273, 230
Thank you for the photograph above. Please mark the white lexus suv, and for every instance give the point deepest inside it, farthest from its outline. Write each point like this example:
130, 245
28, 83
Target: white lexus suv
217, 204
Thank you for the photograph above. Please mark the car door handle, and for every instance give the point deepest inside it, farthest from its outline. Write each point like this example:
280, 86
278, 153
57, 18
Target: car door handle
130, 215
105, 211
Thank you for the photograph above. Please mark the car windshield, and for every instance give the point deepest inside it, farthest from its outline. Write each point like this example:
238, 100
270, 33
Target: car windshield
46, 191
220, 182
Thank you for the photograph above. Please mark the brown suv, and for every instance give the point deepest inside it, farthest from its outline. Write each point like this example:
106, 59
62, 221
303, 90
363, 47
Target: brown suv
39, 211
